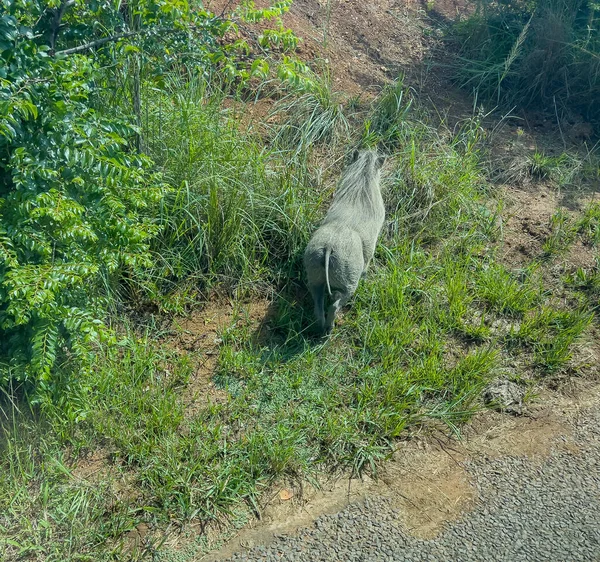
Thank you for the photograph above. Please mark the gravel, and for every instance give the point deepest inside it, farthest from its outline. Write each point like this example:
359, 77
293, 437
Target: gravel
527, 511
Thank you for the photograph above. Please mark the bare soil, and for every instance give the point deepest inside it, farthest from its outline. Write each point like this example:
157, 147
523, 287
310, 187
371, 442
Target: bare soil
199, 336
526, 225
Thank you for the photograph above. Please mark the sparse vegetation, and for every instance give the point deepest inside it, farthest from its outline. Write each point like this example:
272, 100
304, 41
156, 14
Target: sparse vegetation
588, 225
102, 440
566, 228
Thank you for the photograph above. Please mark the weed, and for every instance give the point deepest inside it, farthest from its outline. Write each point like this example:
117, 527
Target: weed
563, 233
311, 118
564, 230
389, 116
551, 333
542, 166
586, 280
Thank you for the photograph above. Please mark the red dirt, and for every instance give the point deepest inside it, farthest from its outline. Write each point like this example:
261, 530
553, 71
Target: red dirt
363, 44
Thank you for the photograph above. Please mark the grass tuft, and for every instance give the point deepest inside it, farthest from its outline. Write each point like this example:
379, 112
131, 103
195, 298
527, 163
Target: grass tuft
311, 118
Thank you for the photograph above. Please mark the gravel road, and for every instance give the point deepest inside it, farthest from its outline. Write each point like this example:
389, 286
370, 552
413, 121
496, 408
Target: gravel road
527, 510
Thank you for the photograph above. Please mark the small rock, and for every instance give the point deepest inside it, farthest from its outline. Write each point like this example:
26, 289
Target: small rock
505, 396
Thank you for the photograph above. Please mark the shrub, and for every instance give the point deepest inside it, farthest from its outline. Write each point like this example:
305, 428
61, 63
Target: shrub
74, 204
79, 202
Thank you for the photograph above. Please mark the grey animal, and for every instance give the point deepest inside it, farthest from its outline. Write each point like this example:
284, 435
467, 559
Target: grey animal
340, 250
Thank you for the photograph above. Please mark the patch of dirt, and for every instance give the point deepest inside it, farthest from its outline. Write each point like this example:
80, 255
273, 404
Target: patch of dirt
429, 486
98, 468
527, 223
580, 255
92, 467
199, 337
495, 435
548, 424
448, 9
281, 517
136, 540
365, 45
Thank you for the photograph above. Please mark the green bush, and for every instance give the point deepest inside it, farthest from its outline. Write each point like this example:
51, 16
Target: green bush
79, 201
74, 205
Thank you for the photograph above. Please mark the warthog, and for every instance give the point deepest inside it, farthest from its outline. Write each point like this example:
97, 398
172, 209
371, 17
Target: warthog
340, 250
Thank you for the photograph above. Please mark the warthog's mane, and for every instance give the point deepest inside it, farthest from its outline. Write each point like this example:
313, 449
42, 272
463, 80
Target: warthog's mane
358, 186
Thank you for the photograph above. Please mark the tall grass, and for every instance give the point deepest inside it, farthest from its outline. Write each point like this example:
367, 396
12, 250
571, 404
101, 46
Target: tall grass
543, 55
312, 117
237, 212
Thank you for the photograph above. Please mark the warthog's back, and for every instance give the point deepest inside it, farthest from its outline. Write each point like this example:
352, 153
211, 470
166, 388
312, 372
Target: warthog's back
366, 224
358, 202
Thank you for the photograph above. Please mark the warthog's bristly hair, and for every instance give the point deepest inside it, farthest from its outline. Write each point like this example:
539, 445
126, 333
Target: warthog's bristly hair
358, 187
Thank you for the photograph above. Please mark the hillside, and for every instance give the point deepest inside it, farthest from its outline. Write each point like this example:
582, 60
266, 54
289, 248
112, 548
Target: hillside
165, 393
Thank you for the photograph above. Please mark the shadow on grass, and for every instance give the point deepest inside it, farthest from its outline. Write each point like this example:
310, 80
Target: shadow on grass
277, 344
288, 327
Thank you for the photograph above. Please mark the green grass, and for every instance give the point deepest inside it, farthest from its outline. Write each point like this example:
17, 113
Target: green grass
586, 281
563, 233
588, 225
565, 229
504, 293
539, 55
312, 118
415, 349
389, 116
542, 166
551, 332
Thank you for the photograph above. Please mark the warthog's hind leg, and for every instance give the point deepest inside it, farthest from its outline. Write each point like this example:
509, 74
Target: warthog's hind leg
318, 295
339, 301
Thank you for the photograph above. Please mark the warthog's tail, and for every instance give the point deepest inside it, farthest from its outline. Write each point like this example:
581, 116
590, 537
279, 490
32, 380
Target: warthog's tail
327, 255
